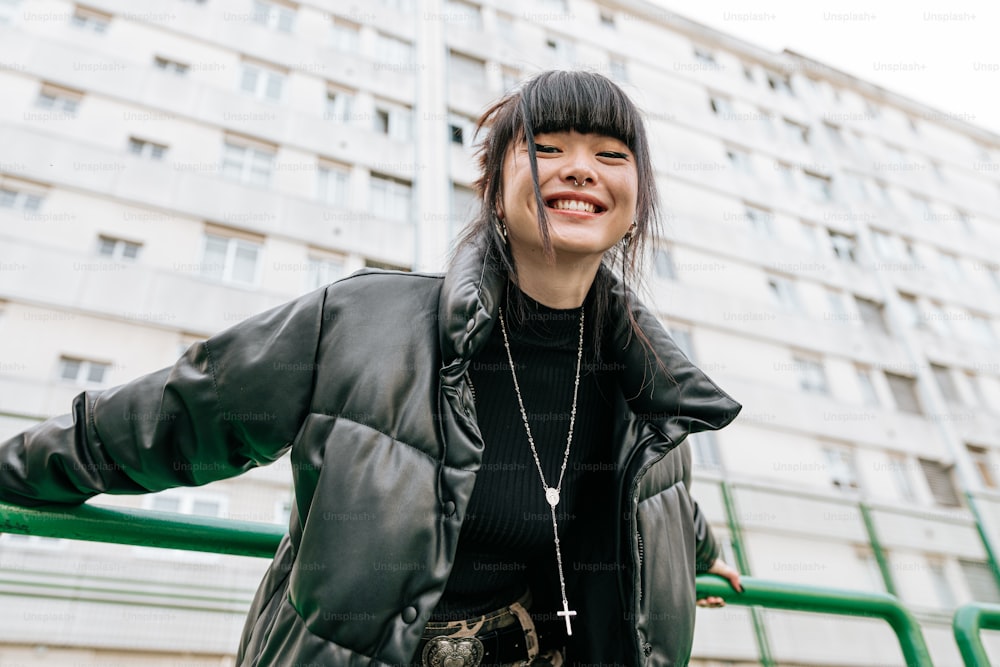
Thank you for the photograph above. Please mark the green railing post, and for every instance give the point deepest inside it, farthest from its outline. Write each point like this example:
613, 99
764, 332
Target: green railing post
876, 544
796, 597
743, 565
969, 619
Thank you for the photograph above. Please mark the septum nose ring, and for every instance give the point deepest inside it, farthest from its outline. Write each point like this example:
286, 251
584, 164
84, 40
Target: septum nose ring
576, 182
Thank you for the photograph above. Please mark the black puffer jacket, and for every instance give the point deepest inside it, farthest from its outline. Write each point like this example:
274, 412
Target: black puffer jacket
365, 382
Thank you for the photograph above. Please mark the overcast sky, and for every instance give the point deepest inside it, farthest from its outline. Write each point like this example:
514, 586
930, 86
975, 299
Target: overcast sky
944, 54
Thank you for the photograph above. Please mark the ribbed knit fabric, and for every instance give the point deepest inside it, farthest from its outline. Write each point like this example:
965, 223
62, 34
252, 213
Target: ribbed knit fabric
507, 538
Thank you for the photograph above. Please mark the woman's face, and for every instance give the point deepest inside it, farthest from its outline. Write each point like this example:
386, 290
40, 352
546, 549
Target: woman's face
589, 183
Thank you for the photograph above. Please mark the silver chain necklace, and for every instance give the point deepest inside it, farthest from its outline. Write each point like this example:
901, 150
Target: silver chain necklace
551, 492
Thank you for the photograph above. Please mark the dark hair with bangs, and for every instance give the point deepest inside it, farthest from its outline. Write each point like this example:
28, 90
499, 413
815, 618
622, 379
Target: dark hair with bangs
558, 101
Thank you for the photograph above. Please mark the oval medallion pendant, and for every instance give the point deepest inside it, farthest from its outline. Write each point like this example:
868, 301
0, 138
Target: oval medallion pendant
552, 496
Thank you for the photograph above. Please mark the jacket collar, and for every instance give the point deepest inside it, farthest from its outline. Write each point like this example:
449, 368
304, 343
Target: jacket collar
676, 397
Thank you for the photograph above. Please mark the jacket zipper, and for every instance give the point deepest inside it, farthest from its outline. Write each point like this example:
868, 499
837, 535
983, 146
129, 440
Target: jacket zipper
637, 552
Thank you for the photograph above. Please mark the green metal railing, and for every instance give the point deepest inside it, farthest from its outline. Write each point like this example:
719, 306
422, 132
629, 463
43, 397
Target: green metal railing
968, 621
144, 528
244, 538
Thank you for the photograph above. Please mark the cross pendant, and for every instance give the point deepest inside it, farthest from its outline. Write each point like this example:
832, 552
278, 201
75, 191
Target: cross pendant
567, 613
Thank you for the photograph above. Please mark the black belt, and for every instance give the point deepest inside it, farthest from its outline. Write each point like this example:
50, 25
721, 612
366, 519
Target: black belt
497, 647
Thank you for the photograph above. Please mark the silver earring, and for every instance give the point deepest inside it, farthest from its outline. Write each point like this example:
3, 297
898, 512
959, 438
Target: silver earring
501, 230
627, 239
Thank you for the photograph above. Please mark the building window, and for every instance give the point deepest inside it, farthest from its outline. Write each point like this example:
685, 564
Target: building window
922, 208
463, 14
866, 387
83, 371
663, 264
787, 174
705, 450
57, 98
945, 596
146, 149
466, 69
910, 310
904, 392
983, 464
780, 83
721, 106
945, 382
872, 315
345, 36
90, 19
952, 269
263, 82
21, 196
937, 319
618, 68
819, 187
391, 198
323, 270
461, 130
886, 245
812, 376
172, 66
833, 132
980, 581
509, 78
739, 160
561, 49
246, 162
683, 339
338, 105
856, 185
844, 247
972, 382
108, 246
838, 313
940, 483
8, 11
783, 292
230, 259
393, 121
274, 15
705, 57
900, 469
391, 50
760, 221
981, 329
843, 472
464, 205
332, 183
796, 133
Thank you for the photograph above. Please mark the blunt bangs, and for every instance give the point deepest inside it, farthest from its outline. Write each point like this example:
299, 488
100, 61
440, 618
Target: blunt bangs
590, 104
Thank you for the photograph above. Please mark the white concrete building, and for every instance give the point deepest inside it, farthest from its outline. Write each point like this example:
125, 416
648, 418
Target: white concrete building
167, 169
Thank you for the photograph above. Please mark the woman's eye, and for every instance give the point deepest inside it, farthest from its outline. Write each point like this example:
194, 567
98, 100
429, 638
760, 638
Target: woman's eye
614, 154
542, 148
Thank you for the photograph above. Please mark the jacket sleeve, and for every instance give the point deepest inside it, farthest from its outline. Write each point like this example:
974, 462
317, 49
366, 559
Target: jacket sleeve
706, 548
229, 404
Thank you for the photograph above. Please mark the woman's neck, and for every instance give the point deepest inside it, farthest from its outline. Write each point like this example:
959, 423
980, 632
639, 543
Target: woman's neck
557, 283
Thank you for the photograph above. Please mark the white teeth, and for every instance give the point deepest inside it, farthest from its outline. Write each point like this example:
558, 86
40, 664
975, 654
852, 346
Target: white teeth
574, 205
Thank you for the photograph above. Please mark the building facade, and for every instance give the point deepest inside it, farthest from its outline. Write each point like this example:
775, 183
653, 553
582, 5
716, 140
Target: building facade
829, 258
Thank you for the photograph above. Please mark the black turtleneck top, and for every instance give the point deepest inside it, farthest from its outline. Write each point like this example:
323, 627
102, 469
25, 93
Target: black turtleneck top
506, 543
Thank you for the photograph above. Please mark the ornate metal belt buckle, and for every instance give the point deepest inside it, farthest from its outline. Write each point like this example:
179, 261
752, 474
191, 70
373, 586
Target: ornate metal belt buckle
453, 652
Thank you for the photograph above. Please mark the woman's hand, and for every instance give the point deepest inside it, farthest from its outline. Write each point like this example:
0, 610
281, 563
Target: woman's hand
724, 570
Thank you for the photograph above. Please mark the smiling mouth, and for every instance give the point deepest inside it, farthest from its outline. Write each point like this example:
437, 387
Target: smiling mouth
573, 205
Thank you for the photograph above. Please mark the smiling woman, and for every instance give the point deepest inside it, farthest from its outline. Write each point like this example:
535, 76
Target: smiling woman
489, 466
